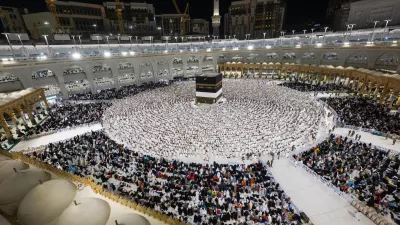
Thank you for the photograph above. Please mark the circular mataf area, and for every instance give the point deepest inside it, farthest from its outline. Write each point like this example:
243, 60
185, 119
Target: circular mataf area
256, 118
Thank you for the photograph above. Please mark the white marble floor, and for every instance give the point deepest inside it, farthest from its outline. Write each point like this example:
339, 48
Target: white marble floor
370, 138
318, 202
59, 136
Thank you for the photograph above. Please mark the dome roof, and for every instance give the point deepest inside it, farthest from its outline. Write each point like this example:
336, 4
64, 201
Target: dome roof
89, 211
132, 219
46, 202
7, 168
17, 185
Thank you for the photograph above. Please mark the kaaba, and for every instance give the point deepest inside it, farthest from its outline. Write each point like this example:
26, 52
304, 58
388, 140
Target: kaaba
208, 87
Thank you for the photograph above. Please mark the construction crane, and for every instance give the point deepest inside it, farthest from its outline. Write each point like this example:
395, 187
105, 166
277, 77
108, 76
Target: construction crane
118, 10
185, 16
10, 22
53, 10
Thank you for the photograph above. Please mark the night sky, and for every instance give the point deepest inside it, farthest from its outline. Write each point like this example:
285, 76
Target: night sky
298, 11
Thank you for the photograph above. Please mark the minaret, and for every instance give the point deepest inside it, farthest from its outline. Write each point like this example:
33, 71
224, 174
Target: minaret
216, 18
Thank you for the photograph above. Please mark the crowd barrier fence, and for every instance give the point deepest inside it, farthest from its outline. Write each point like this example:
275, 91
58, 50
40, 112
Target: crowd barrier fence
350, 198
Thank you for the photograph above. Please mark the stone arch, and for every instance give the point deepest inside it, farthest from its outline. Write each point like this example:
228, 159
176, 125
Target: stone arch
271, 57
330, 58
357, 60
177, 67
308, 58
10, 82
253, 57
101, 67
75, 79
126, 73
146, 70
40, 73
163, 70
289, 56
208, 63
237, 58
73, 69
125, 66
388, 61
192, 66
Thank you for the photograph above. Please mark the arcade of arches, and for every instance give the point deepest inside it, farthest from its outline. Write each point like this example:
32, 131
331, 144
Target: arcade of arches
368, 83
15, 106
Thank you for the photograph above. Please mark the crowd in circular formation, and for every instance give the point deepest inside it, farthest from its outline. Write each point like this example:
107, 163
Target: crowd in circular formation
194, 193
358, 168
257, 118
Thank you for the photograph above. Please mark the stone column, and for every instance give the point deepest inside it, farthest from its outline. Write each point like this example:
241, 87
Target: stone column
29, 112
44, 99
4, 125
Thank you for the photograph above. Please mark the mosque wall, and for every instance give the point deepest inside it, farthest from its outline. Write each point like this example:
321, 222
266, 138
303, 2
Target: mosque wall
163, 67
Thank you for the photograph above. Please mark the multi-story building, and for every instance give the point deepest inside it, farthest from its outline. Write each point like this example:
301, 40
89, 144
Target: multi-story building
227, 24
364, 13
11, 19
82, 18
256, 18
200, 26
138, 18
74, 17
333, 12
341, 16
171, 24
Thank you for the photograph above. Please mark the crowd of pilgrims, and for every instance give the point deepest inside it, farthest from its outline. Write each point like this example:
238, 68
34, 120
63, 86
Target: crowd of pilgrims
69, 115
256, 119
307, 87
366, 113
112, 93
359, 169
194, 193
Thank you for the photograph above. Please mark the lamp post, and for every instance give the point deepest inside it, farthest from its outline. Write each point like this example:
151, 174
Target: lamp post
20, 40
130, 40
387, 21
137, 44
108, 43
73, 38
351, 29
9, 43
47, 43
264, 38
98, 41
80, 41
95, 27
190, 42
373, 31
247, 38
326, 28
312, 34
293, 36
22, 44
119, 43
176, 41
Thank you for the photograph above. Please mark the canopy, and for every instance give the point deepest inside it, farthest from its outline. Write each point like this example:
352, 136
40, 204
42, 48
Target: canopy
46, 202
7, 168
89, 211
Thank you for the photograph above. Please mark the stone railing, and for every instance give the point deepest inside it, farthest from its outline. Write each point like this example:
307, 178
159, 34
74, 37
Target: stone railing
98, 189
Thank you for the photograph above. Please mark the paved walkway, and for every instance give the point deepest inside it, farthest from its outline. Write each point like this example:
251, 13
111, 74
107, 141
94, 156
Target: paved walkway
370, 138
320, 204
59, 136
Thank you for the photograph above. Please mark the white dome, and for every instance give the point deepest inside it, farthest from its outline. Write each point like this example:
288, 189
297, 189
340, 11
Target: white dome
17, 185
7, 168
89, 211
132, 219
46, 202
